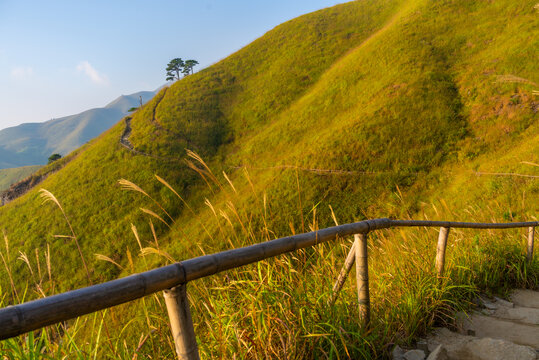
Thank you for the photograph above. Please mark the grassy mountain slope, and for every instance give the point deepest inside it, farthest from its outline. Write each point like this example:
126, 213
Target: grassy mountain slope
33, 143
10, 176
366, 109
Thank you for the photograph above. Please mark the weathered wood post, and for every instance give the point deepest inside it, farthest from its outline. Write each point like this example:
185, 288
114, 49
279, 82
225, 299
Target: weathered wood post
440, 250
348, 263
362, 274
181, 323
530, 243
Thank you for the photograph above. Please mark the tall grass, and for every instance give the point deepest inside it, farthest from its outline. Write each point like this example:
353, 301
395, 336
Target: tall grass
398, 101
277, 308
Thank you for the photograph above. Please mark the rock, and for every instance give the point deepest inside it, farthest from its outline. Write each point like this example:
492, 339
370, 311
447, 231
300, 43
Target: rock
414, 355
485, 302
422, 345
487, 311
440, 353
20, 188
397, 353
526, 298
493, 349
503, 302
451, 341
468, 347
491, 327
521, 314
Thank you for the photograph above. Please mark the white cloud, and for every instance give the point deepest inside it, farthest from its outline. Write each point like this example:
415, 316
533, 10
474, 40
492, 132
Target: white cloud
92, 73
22, 72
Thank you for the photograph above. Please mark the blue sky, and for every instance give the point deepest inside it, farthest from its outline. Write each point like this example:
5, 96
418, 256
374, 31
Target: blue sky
59, 58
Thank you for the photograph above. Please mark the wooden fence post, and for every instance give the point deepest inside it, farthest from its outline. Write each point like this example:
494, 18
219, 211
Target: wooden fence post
530, 243
348, 263
362, 274
440, 250
181, 323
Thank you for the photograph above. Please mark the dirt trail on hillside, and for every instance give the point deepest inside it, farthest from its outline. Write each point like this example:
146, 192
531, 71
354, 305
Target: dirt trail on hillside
126, 143
124, 140
314, 170
154, 120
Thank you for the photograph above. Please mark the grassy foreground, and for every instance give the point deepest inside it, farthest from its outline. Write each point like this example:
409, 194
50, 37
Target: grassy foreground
410, 109
278, 308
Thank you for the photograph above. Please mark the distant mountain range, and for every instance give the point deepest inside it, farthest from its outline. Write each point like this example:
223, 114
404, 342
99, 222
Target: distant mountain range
32, 143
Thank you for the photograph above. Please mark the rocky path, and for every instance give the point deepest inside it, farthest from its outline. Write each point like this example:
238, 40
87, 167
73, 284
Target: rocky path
154, 120
124, 139
497, 330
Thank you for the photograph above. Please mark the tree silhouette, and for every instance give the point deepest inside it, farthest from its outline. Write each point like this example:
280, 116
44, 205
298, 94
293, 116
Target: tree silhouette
53, 158
174, 68
188, 66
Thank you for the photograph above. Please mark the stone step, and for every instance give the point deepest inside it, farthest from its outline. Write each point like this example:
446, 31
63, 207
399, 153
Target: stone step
463, 347
525, 298
502, 330
483, 326
518, 314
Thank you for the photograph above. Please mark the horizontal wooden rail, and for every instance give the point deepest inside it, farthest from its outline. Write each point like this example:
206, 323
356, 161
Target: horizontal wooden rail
19, 319
463, 225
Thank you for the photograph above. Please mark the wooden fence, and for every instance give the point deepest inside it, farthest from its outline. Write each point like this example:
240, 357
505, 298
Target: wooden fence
172, 279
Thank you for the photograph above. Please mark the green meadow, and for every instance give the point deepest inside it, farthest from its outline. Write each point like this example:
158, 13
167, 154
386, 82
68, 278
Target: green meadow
404, 109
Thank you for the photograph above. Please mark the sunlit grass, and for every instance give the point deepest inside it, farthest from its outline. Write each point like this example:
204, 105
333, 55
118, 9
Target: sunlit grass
283, 308
399, 105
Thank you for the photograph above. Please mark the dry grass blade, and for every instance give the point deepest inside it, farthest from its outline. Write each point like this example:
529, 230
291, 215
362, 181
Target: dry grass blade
48, 261
333, 216
24, 258
154, 234
529, 163
507, 174
128, 185
149, 212
208, 203
6, 241
201, 172
230, 182
8, 270
231, 206
225, 216
108, 259
513, 79
38, 265
135, 232
208, 171
164, 182
130, 260
151, 250
63, 236
47, 196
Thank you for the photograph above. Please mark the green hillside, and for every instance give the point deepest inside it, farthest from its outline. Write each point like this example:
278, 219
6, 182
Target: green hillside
10, 176
33, 143
366, 109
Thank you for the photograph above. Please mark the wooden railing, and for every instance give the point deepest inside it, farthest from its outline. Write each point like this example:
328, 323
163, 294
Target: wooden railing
172, 279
